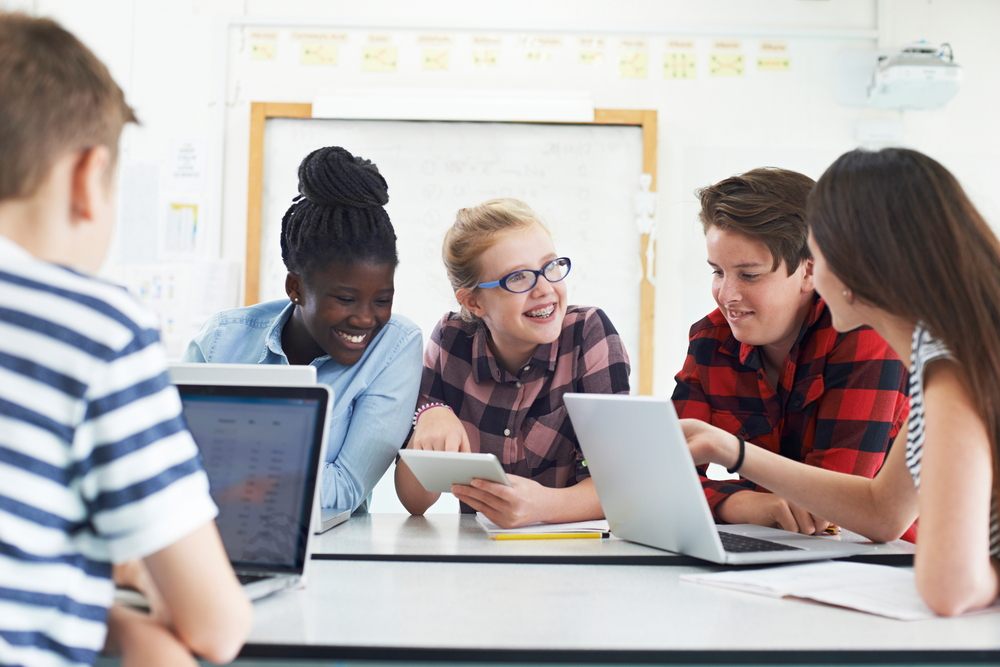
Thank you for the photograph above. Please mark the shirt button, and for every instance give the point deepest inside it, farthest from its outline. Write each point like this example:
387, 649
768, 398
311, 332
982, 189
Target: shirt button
518, 384
527, 368
506, 431
760, 376
743, 430
798, 402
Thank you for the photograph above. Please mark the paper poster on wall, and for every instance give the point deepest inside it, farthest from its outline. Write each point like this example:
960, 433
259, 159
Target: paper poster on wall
158, 287
318, 54
183, 295
725, 64
633, 64
139, 216
182, 229
436, 59
379, 58
679, 66
187, 165
774, 64
485, 57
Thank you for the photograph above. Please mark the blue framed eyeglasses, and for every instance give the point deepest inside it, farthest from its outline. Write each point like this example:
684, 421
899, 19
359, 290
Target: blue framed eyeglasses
525, 279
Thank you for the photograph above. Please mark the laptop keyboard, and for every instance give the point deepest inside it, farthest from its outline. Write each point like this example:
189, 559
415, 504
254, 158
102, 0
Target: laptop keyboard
743, 544
250, 578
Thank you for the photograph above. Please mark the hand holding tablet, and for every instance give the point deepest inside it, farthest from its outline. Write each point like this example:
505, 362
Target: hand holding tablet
438, 471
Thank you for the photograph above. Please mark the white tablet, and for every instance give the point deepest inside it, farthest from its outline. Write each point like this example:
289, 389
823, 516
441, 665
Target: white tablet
437, 471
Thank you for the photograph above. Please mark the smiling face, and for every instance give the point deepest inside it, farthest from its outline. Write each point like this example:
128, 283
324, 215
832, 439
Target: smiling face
518, 323
340, 309
763, 307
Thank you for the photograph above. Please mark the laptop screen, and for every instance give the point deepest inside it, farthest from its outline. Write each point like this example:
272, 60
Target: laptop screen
260, 447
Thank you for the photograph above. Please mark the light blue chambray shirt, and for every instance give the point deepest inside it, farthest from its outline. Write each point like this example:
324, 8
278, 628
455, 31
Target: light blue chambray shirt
373, 399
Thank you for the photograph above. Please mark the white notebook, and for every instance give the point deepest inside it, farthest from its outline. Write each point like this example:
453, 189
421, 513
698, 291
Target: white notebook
596, 526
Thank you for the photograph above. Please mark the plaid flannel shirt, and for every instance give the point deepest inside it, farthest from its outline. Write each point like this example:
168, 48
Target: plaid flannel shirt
521, 417
840, 399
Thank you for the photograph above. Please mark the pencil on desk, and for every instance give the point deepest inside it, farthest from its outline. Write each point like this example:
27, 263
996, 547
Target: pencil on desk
545, 536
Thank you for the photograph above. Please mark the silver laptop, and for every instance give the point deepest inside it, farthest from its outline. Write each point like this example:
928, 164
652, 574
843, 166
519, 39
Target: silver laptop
651, 493
263, 449
182, 372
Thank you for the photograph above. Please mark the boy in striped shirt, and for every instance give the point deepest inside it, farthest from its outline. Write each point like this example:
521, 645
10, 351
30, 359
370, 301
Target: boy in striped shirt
96, 465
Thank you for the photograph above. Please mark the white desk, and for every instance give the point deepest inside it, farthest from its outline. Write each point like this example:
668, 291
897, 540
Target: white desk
455, 538
392, 588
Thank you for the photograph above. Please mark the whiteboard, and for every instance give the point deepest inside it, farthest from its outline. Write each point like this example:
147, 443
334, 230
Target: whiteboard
581, 180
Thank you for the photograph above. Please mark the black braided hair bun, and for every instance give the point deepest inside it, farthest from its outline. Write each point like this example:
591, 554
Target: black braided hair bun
339, 215
331, 176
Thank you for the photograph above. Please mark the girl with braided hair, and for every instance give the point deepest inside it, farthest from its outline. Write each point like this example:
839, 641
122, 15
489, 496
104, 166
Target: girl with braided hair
340, 251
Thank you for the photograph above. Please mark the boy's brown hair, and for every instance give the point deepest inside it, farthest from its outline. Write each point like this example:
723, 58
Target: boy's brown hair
765, 204
55, 97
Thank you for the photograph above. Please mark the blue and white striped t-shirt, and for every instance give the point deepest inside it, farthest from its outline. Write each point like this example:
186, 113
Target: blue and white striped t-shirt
925, 349
96, 465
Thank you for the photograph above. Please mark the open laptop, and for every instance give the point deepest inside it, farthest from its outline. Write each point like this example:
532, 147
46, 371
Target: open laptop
182, 372
651, 493
260, 375
263, 449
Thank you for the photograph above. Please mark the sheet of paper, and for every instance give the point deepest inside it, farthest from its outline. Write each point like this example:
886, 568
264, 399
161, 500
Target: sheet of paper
874, 589
596, 526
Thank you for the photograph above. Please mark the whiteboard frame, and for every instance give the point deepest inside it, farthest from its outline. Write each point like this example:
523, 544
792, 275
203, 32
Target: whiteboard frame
645, 119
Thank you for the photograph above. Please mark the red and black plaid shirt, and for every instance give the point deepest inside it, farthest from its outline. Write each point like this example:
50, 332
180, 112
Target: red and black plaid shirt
521, 417
840, 399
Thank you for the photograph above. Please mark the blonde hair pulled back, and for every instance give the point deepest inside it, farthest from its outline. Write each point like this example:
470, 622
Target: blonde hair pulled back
475, 231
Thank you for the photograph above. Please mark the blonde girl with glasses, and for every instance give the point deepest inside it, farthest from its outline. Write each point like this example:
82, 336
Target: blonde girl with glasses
495, 372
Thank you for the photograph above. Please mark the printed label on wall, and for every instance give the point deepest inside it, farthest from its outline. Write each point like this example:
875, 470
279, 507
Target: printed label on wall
320, 37
680, 44
726, 44
592, 43
771, 46
435, 40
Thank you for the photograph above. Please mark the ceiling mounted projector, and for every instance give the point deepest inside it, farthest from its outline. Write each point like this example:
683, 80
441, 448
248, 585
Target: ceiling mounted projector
921, 76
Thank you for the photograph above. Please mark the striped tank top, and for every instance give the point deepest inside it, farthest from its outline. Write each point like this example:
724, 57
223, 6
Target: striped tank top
925, 349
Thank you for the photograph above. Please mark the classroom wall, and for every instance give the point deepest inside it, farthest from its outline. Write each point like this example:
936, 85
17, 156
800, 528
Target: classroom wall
191, 82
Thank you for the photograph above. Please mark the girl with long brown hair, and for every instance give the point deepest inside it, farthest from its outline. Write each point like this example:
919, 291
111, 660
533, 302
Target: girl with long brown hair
898, 246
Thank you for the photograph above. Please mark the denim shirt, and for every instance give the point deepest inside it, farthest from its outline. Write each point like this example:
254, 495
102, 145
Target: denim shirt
373, 399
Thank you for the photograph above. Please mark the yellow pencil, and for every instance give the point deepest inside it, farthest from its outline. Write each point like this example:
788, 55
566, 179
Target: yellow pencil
545, 536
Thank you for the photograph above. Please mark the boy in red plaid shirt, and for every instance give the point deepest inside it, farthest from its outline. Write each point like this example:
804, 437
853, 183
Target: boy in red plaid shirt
768, 365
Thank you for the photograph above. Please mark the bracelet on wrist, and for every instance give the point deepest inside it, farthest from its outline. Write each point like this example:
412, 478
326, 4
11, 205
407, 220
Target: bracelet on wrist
739, 459
428, 406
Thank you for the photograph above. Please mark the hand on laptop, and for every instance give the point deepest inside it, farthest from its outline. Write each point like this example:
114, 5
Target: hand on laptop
511, 506
768, 509
440, 430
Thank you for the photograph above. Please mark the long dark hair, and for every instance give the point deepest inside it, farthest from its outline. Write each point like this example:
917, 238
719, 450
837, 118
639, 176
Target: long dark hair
898, 230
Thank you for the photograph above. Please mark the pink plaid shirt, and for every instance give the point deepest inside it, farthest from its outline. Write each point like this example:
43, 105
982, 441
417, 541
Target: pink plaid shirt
521, 418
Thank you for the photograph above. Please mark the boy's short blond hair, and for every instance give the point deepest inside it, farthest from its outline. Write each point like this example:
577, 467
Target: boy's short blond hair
55, 97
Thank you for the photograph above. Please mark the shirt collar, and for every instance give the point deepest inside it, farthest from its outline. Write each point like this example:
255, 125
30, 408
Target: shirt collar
274, 337
485, 365
12, 250
746, 351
